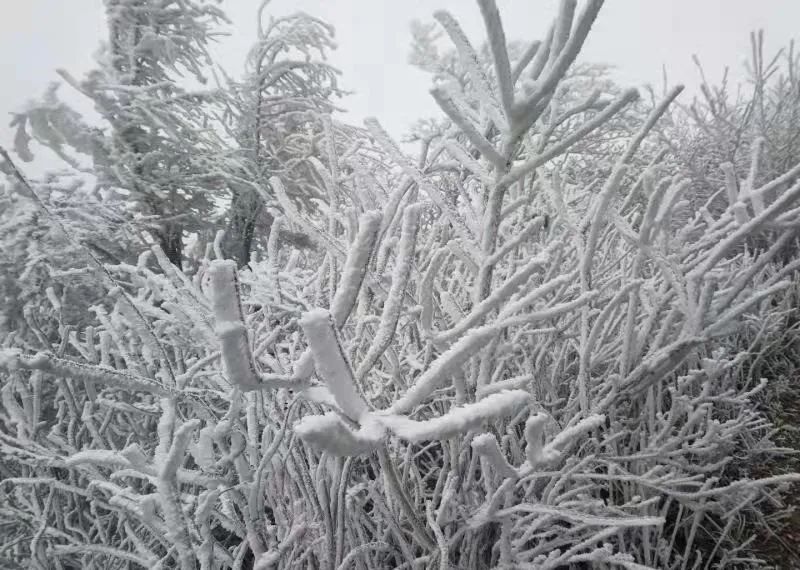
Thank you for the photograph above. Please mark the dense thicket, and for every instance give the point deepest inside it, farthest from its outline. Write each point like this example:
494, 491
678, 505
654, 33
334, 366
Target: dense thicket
525, 347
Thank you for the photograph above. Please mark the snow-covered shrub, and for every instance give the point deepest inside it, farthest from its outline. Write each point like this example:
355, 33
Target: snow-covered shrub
42, 281
485, 362
155, 145
732, 124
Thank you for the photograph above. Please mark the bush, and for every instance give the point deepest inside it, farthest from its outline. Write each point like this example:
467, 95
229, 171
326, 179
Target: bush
491, 358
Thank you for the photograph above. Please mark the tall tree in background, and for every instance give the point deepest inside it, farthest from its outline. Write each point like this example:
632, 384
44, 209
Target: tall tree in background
275, 121
156, 147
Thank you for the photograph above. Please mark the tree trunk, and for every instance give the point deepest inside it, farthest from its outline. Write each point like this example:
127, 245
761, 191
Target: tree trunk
240, 237
171, 241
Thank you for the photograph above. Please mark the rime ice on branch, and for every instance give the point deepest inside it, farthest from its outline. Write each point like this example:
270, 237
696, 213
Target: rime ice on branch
521, 348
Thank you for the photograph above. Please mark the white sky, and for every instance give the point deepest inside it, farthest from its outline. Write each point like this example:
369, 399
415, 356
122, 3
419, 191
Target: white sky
637, 36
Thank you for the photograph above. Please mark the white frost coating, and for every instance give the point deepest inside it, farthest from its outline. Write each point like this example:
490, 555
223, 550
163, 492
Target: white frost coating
320, 395
257, 482
586, 518
225, 291
267, 560
304, 367
447, 103
522, 235
104, 457
135, 455
229, 329
515, 383
394, 301
180, 441
443, 367
534, 427
433, 191
566, 436
600, 206
355, 267
273, 256
329, 433
51, 296
732, 189
11, 407
203, 450
497, 45
426, 289
560, 443
12, 359
495, 300
450, 307
486, 445
755, 158
469, 59
9, 358
464, 158
331, 363
237, 359
662, 361
550, 312
291, 212
488, 510
457, 420
565, 143
545, 289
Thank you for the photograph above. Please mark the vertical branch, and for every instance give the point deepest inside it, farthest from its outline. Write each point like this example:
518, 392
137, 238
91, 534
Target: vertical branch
237, 357
331, 363
394, 301
497, 45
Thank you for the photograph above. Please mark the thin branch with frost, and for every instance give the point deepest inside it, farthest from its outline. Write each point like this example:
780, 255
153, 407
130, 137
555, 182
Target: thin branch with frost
331, 363
393, 304
231, 330
565, 364
457, 420
497, 44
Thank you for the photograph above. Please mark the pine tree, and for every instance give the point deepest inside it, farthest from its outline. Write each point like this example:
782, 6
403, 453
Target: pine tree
156, 147
277, 123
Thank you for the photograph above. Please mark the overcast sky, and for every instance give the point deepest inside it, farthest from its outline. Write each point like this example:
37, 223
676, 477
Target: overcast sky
636, 36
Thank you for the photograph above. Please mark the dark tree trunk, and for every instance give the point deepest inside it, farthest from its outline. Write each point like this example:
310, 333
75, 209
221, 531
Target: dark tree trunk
248, 235
240, 237
171, 241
